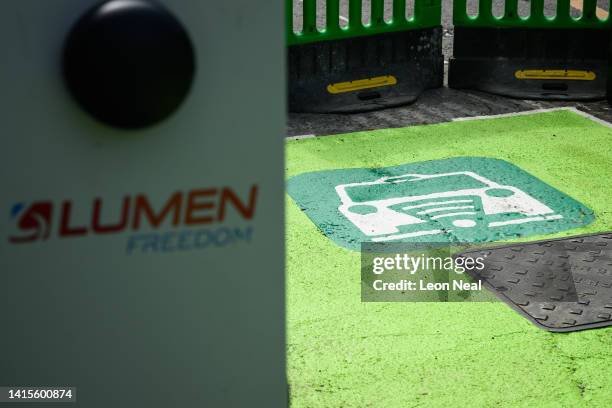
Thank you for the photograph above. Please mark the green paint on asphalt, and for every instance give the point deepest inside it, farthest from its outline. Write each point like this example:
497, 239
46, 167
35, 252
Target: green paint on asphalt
344, 353
464, 199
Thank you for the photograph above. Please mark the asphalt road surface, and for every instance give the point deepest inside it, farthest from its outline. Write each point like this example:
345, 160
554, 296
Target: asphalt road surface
438, 105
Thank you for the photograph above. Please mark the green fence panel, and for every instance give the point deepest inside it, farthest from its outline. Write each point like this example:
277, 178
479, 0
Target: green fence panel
333, 15
536, 18
427, 14
310, 15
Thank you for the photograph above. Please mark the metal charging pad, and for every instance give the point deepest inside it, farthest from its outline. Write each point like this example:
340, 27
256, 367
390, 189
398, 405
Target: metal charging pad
560, 285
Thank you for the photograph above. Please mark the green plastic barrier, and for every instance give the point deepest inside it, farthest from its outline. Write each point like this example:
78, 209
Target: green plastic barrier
536, 18
427, 14
531, 57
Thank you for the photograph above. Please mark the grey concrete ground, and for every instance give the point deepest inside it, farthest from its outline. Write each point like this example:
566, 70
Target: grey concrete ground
438, 105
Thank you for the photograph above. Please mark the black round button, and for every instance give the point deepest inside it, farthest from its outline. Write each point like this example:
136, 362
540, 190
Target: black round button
129, 63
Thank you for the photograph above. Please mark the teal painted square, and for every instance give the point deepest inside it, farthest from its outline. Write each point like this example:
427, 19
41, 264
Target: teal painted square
465, 199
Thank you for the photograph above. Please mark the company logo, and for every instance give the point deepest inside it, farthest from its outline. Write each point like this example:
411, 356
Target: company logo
34, 222
456, 200
42, 220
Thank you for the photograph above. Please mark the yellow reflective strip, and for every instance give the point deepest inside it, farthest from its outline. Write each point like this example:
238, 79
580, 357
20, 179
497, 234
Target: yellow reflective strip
567, 74
342, 87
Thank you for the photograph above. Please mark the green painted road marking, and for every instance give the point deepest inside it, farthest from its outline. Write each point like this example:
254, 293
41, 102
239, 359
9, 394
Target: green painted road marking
345, 353
463, 199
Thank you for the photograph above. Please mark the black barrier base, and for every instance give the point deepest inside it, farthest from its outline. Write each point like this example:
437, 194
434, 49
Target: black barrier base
552, 64
365, 73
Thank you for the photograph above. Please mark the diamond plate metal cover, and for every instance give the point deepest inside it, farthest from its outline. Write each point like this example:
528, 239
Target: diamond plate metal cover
560, 285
